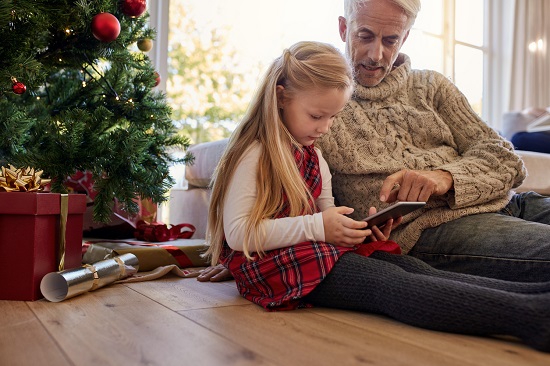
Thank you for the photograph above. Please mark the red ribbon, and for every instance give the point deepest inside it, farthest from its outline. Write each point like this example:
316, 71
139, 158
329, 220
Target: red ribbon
161, 232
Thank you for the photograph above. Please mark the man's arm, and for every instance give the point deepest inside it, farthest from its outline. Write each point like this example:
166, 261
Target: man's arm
485, 168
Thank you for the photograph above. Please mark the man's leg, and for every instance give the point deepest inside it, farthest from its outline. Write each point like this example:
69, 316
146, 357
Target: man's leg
512, 245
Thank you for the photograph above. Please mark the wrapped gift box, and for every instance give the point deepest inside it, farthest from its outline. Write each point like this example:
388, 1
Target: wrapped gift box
183, 253
30, 238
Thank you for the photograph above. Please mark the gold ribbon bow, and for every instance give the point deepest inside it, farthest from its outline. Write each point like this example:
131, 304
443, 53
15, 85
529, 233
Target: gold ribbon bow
21, 179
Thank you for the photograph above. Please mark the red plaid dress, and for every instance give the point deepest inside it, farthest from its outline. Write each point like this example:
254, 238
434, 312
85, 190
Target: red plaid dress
282, 277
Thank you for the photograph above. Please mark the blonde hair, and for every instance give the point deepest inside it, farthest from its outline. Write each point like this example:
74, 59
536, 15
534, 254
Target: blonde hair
410, 8
303, 66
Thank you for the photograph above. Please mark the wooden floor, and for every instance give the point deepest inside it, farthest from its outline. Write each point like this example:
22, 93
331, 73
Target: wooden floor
180, 321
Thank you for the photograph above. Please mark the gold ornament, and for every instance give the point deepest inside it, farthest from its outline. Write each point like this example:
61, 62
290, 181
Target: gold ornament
145, 44
22, 179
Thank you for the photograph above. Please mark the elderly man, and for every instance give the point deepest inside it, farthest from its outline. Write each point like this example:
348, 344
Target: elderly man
410, 135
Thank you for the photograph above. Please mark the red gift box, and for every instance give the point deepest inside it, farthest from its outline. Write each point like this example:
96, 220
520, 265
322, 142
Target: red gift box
30, 240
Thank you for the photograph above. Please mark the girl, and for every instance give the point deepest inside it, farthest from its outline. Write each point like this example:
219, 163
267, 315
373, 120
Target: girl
274, 225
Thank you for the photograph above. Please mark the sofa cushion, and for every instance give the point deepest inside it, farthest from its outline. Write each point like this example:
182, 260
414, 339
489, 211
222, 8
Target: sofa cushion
519, 121
513, 122
538, 174
207, 155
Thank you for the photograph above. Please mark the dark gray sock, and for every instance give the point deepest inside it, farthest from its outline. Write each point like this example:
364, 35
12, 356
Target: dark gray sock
415, 265
376, 286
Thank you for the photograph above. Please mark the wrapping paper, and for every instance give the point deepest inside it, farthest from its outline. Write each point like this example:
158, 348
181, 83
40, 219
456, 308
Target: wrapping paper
184, 253
58, 286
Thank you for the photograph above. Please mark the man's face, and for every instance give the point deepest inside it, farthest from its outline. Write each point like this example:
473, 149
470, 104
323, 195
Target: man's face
373, 39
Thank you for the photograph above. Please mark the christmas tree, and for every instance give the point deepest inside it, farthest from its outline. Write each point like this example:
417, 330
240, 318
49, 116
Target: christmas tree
78, 95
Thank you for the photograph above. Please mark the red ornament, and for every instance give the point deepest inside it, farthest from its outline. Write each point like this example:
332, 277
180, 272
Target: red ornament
133, 8
157, 78
18, 87
105, 27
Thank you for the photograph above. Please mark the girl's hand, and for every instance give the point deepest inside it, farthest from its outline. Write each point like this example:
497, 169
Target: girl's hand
215, 273
342, 230
384, 234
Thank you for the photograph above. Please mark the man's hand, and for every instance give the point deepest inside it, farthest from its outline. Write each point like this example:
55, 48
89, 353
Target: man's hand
415, 185
214, 274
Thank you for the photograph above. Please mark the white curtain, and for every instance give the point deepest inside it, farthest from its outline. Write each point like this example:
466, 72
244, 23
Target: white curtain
530, 81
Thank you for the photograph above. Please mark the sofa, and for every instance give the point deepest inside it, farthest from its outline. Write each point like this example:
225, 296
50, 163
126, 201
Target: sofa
537, 164
189, 203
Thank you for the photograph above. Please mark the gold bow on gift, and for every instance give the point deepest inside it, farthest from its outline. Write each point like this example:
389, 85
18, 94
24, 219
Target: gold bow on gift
21, 180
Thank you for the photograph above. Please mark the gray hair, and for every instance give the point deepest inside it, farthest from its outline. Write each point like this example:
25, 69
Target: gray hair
410, 8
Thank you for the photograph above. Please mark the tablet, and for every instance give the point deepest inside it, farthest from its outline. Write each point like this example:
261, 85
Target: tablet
393, 212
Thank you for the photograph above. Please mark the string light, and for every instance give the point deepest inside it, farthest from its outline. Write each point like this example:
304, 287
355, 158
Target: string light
536, 46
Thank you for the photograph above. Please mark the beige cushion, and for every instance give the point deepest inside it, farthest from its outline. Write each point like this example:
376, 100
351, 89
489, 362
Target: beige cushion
190, 206
207, 155
513, 122
538, 172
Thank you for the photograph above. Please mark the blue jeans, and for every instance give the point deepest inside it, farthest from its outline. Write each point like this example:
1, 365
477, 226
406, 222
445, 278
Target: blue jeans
513, 244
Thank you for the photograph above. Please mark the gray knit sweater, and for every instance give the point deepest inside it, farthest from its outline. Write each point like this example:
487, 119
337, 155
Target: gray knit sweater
418, 119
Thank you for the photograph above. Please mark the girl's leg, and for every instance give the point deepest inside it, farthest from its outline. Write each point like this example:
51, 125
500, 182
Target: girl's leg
415, 265
375, 286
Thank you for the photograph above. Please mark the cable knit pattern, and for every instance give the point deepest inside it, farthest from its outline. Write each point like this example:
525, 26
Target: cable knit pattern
418, 119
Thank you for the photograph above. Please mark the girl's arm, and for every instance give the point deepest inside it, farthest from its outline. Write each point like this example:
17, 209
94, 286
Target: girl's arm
276, 233
325, 199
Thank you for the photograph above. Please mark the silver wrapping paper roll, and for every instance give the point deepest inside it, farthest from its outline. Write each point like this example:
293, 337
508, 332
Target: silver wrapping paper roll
58, 286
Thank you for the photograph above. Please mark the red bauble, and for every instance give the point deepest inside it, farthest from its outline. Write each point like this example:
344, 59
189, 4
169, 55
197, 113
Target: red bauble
157, 78
18, 87
105, 27
133, 8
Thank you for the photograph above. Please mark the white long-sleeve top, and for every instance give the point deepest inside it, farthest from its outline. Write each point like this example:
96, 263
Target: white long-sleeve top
281, 232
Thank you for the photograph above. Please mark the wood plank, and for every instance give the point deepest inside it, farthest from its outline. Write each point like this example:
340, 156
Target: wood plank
178, 293
115, 325
133, 324
469, 349
20, 331
302, 337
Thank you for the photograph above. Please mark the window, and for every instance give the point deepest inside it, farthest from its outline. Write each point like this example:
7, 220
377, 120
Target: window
469, 41
218, 50
448, 36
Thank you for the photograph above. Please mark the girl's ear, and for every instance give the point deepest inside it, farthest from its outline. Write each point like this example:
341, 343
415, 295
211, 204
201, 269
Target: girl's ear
280, 96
